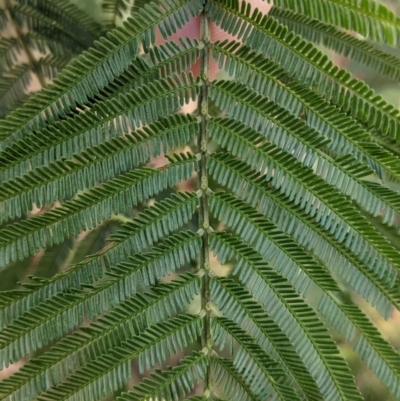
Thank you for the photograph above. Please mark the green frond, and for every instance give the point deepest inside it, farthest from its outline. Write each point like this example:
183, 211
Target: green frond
346, 135
294, 204
387, 143
238, 305
234, 385
18, 302
9, 51
128, 319
115, 9
275, 125
60, 46
98, 164
152, 225
172, 383
294, 221
65, 311
107, 120
253, 363
359, 50
378, 354
138, 4
306, 63
154, 346
26, 16
221, 242
50, 65
13, 84
161, 61
284, 254
323, 203
94, 69
367, 17
155, 223
298, 321
90, 208
63, 47
69, 16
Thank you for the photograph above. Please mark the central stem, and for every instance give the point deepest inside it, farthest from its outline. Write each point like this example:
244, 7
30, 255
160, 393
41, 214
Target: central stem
205, 35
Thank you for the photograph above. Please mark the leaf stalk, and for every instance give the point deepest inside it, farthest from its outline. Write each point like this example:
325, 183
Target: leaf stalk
202, 185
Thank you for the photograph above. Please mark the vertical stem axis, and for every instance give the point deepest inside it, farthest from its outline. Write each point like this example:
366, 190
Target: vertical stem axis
202, 139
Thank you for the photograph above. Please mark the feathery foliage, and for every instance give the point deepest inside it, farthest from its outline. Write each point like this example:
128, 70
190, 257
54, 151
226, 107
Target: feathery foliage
285, 168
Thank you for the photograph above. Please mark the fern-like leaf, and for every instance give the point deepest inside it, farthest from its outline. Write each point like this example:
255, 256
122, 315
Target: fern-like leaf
293, 316
359, 50
170, 384
254, 363
366, 17
97, 67
154, 345
255, 190
158, 215
305, 62
129, 318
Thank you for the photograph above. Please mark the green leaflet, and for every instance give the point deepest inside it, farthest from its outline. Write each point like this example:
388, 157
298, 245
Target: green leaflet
367, 17
155, 345
15, 81
254, 363
165, 60
115, 9
278, 127
345, 134
285, 255
13, 85
292, 315
360, 51
39, 23
90, 208
98, 164
68, 16
377, 353
293, 220
171, 383
328, 211
9, 50
94, 69
129, 318
105, 121
307, 64
233, 383
238, 305
64, 47
56, 316
59, 44
154, 224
